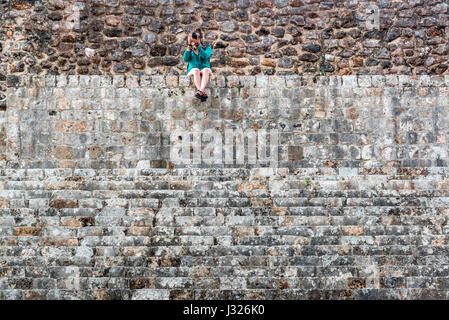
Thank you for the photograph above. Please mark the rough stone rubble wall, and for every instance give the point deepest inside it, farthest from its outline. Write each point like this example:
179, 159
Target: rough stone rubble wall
249, 37
357, 208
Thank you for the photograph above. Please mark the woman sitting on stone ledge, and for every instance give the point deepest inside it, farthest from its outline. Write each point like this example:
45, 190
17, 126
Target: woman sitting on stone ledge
198, 57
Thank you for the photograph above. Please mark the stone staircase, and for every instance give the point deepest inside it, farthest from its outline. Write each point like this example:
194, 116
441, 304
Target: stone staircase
93, 207
223, 233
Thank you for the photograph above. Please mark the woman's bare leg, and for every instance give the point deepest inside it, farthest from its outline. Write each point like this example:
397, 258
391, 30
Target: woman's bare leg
197, 78
205, 79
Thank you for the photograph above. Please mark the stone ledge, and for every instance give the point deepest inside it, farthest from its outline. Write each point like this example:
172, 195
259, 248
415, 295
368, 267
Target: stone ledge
258, 81
195, 173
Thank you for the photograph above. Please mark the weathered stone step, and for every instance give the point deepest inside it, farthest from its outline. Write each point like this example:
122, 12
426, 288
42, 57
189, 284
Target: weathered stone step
125, 173
230, 293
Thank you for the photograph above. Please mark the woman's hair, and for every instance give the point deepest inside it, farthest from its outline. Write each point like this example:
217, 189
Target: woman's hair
198, 31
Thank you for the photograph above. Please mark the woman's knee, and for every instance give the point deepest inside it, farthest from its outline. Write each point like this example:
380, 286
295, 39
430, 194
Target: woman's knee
196, 71
205, 72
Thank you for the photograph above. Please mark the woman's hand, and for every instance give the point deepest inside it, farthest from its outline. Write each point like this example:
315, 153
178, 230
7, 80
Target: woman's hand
189, 39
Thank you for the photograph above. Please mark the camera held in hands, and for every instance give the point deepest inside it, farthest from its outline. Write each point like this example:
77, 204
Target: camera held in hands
196, 36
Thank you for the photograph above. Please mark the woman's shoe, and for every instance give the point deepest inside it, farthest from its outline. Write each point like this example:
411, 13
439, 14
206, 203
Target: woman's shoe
204, 96
199, 95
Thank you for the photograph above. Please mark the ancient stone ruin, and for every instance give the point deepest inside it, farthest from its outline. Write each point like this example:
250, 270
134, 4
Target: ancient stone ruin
317, 169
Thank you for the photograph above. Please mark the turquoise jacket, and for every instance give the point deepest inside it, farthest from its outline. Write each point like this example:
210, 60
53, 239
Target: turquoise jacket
200, 60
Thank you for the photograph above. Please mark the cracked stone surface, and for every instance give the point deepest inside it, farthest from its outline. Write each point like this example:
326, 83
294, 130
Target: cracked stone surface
92, 207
